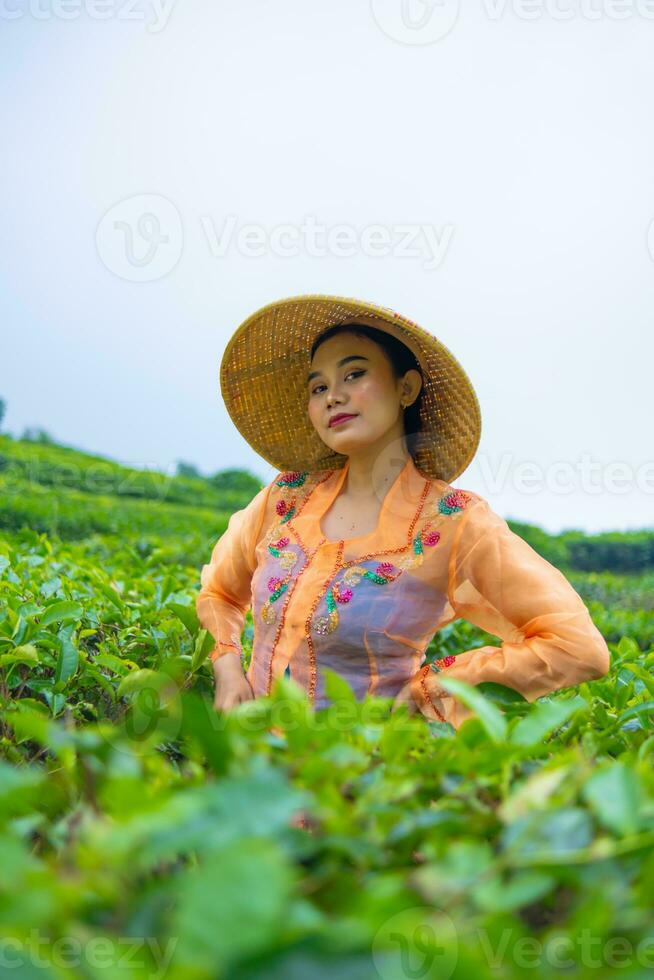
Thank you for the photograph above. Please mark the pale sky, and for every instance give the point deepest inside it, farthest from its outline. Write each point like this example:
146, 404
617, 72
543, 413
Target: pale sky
168, 168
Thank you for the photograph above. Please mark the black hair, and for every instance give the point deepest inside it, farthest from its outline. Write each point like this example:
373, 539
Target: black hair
401, 360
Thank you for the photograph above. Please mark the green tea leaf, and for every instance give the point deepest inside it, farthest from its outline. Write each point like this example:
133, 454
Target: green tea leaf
67, 660
337, 688
628, 649
500, 693
141, 680
643, 675
26, 654
637, 711
204, 644
490, 717
65, 611
524, 888
187, 615
544, 717
616, 795
232, 905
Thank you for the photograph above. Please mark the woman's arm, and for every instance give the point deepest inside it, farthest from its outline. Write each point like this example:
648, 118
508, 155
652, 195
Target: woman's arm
225, 593
498, 582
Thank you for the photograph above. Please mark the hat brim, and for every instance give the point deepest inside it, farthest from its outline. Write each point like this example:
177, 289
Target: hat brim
263, 384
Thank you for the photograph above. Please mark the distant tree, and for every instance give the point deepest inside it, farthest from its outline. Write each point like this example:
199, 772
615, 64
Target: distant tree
3, 409
32, 434
187, 469
240, 481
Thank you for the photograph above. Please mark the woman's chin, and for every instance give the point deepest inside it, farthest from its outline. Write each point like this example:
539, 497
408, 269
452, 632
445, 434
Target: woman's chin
345, 445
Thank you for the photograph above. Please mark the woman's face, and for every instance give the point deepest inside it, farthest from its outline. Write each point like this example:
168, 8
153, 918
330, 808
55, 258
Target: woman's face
364, 386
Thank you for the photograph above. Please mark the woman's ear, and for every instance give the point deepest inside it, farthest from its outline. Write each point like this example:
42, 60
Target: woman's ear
412, 386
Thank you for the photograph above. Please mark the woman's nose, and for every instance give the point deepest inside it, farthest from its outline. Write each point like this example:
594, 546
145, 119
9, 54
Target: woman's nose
332, 397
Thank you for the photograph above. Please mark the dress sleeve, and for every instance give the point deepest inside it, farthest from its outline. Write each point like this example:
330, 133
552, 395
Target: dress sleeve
225, 593
500, 583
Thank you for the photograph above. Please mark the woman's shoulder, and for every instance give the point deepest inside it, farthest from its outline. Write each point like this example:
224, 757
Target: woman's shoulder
449, 500
295, 483
288, 489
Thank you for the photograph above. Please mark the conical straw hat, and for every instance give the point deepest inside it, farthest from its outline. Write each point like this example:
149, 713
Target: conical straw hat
263, 376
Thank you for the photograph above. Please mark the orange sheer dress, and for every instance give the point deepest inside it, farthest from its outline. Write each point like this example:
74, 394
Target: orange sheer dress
368, 607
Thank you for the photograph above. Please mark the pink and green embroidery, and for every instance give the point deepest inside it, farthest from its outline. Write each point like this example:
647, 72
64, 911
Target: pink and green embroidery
294, 479
431, 538
453, 501
385, 573
275, 549
287, 481
285, 510
424, 537
342, 592
278, 549
277, 586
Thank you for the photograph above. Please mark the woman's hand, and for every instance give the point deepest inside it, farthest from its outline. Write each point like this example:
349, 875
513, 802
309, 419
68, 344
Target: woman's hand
232, 686
405, 697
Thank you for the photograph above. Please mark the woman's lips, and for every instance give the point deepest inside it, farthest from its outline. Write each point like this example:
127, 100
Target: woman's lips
345, 418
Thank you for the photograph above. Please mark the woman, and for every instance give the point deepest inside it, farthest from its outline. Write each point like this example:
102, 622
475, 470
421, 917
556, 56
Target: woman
360, 549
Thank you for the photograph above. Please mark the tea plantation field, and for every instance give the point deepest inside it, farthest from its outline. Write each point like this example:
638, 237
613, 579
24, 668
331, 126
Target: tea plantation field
145, 834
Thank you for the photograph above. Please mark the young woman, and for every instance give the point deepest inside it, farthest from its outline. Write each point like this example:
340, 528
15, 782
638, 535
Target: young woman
360, 549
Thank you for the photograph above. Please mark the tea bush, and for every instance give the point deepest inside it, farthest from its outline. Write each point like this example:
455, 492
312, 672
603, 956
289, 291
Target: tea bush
145, 834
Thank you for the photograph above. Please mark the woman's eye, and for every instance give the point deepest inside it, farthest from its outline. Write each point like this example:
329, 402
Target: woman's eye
349, 374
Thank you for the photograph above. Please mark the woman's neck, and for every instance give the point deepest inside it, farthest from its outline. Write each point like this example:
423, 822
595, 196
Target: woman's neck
373, 475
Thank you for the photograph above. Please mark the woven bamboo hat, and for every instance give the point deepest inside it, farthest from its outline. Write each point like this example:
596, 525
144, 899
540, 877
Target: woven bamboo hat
263, 384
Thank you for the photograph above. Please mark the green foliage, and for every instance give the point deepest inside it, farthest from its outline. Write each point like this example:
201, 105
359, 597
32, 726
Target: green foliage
28, 467
35, 434
187, 469
614, 551
235, 481
144, 833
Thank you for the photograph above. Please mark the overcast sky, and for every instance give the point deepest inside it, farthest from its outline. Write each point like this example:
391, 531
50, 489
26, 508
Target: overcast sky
487, 171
